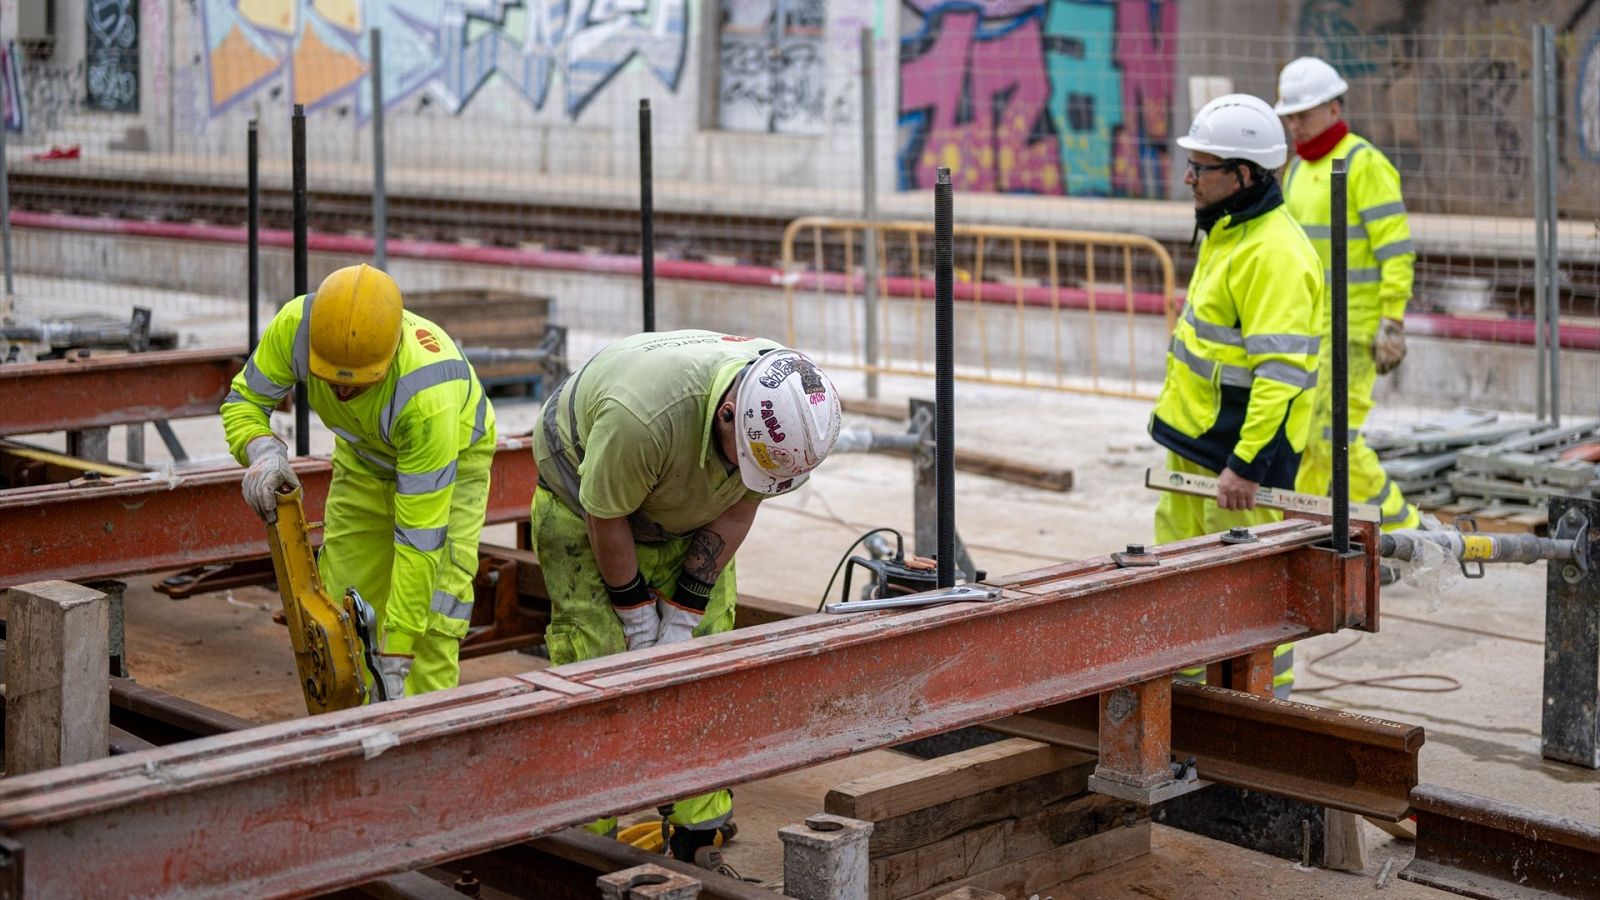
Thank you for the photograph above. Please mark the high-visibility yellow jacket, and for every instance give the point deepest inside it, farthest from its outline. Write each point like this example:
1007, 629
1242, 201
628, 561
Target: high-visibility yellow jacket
412, 428
1243, 357
1381, 257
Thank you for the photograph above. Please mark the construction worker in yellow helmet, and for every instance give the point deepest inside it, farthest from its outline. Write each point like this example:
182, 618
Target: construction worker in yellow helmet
1236, 403
653, 460
414, 439
1381, 258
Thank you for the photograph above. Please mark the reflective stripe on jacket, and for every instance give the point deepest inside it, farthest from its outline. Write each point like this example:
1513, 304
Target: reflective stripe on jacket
1243, 357
1381, 255
410, 429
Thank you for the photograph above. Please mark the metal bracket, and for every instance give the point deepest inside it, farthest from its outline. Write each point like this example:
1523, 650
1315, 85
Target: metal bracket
1469, 525
959, 594
1574, 526
1148, 796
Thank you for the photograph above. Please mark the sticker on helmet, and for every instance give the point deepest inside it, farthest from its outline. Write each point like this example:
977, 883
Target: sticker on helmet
810, 378
763, 459
736, 338
428, 341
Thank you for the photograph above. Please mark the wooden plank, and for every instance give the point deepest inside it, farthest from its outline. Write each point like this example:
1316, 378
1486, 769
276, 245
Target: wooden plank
921, 785
1029, 876
993, 845
58, 676
1405, 829
1023, 799
879, 409
1345, 844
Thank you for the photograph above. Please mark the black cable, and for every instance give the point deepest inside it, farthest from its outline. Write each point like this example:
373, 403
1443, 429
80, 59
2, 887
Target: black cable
846, 558
1386, 682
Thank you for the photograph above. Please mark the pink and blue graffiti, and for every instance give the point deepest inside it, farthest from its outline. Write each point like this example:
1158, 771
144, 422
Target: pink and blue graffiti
1039, 96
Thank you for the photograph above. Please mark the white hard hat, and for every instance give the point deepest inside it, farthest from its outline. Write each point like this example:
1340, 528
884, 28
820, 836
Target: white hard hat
789, 418
1238, 126
1305, 83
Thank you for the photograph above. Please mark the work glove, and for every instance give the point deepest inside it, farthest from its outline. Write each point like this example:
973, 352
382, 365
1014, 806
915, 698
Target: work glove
1389, 347
635, 606
269, 470
682, 614
394, 668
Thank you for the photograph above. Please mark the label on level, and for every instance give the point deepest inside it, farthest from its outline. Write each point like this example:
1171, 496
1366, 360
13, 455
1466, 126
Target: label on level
1271, 498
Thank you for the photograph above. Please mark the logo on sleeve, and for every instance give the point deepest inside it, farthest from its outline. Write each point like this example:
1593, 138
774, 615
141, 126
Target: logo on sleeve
428, 340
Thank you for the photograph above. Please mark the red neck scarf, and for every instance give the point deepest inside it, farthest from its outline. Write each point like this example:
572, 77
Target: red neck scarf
1322, 144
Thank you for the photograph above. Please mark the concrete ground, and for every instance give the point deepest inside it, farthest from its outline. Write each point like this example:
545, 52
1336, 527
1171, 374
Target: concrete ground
1481, 641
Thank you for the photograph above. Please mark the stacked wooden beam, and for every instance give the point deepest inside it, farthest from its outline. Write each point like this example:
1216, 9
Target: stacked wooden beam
1014, 817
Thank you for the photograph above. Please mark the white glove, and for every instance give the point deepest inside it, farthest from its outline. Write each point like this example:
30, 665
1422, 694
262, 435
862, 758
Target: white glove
635, 606
269, 470
394, 670
640, 624
678, 620
1389, 347
677, 624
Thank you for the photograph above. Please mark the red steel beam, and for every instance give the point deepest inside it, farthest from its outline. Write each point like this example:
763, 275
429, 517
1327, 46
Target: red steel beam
145, 523
343, 798
72, 394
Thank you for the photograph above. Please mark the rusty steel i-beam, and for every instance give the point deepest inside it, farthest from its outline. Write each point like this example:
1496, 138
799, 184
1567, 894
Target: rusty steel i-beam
343, 798
75, 394
150, 522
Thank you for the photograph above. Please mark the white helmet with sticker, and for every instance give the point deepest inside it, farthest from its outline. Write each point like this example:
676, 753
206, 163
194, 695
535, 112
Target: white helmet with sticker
789, 419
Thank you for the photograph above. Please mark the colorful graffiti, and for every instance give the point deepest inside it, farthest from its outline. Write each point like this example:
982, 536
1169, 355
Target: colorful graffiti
448, 48
1038, 96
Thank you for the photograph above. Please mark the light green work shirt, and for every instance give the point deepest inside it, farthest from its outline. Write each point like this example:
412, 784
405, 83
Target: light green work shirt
631, 434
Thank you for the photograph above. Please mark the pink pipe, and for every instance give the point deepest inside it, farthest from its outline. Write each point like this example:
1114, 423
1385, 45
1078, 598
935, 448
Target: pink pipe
1500, 331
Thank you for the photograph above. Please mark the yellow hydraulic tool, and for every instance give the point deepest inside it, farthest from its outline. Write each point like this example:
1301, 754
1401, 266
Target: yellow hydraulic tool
330, 639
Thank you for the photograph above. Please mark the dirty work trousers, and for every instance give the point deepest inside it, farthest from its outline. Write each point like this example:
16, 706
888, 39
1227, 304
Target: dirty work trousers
583, 625
1182, 516
1368, 482
358, 550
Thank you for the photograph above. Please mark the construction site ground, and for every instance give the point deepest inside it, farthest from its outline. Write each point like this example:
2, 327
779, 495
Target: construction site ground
1483, 639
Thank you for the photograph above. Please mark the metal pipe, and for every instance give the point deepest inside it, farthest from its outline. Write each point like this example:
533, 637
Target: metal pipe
865, 440
5, 210
253, 226
944, 419
1541, 300
297, 147
647, 217
869, 208
1488, 547
1338, 216
1552, 177
380, 199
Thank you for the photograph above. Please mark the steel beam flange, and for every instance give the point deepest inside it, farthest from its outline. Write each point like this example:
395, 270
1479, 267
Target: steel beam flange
1478, 847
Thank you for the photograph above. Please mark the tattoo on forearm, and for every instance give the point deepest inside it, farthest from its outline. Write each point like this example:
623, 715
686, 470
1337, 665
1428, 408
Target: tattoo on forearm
701, 560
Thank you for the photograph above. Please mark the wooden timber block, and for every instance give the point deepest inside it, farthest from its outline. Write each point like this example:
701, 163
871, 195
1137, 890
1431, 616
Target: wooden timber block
1345, 843
1029, 876
972, 893
998, 844
946, 778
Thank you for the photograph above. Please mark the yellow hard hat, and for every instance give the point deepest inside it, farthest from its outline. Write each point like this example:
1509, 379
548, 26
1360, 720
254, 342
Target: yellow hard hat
355, 325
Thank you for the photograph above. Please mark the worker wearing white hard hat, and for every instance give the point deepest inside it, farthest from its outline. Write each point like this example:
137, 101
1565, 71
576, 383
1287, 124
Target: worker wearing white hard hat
1381, 262
653, 460
1236, 403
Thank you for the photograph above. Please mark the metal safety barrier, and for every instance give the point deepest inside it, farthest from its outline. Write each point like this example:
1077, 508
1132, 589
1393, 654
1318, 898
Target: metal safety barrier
1037, 306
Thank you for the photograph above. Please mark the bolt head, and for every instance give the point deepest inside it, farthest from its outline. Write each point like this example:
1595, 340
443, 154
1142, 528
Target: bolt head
1238, 532
1135, 550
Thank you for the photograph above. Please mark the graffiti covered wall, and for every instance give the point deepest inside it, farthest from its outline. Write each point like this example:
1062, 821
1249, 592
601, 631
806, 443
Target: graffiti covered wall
317, 49
1038, 96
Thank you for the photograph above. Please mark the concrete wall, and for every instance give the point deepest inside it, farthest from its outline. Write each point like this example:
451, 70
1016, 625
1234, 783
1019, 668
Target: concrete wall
1436, 374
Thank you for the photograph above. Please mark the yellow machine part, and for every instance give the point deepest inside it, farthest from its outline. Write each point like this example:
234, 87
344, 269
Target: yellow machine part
327, 649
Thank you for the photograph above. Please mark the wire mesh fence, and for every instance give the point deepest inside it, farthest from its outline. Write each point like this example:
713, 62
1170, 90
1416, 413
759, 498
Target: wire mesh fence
511, 140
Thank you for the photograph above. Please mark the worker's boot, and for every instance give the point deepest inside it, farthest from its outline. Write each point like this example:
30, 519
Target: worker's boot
695, 846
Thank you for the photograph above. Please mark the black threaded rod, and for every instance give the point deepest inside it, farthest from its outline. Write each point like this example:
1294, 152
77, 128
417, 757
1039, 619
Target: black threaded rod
944, 419
253, 227
647, 223
302, 278
1338, 211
